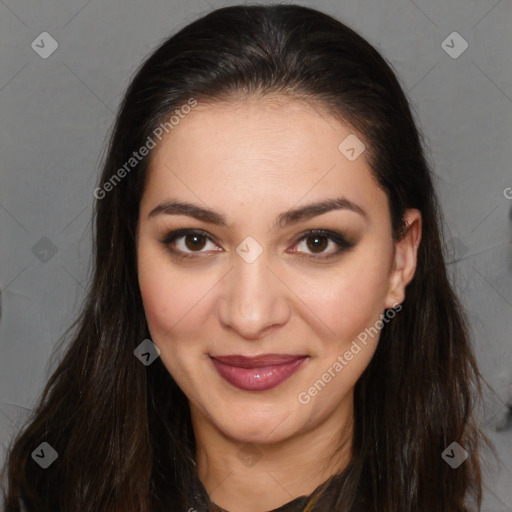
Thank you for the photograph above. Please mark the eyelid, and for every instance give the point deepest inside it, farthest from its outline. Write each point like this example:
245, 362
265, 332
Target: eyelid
338, 238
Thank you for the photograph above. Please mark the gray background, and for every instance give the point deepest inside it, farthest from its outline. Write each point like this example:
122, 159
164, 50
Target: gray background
55, 114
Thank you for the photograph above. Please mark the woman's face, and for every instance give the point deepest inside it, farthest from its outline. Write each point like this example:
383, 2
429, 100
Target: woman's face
251, 180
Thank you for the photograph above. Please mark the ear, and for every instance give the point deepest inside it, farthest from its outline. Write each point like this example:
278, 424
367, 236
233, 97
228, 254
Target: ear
405, 258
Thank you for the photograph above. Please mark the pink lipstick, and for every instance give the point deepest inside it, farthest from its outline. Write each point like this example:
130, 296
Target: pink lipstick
257, 373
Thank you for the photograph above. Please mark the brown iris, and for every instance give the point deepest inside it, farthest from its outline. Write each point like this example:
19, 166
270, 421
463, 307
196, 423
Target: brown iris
319, 242
194, 241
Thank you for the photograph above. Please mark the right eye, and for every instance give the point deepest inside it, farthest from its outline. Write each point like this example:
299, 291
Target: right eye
186, 242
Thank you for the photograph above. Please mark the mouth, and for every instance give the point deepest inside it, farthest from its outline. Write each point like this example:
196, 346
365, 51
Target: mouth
257, 373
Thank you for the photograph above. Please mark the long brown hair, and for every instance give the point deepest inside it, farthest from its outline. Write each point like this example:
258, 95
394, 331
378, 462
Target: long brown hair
122, 430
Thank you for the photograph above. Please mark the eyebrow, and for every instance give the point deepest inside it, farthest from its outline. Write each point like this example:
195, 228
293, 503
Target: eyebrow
284, 219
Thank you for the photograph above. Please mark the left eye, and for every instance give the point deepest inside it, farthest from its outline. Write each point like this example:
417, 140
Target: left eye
318, 241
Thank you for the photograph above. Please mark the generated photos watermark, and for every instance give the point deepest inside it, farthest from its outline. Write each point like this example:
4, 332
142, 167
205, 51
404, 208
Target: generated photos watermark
304, 397
143, 151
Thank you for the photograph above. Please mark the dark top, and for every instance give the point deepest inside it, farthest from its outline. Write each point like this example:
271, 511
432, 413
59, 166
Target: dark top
300, 504
297, 504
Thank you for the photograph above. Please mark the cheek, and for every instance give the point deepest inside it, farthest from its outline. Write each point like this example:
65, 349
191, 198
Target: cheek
349, 298
165, 307
168, 295
175, 310
157, 296
164, 293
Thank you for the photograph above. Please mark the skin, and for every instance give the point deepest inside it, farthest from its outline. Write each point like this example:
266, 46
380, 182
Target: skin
250, 160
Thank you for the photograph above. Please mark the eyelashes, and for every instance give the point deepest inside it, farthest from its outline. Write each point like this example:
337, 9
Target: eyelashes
190, 239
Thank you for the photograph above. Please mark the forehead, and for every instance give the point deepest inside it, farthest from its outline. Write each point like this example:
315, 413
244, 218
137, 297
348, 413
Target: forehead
259, 149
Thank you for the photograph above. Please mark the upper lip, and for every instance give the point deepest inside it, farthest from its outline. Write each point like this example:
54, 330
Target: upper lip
258, 361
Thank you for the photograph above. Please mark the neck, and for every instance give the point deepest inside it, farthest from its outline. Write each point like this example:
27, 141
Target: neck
246, 477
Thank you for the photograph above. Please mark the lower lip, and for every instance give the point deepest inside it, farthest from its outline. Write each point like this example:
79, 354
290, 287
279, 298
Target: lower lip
257, 379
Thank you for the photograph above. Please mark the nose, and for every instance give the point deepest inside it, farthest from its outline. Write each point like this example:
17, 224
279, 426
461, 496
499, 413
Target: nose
253, 300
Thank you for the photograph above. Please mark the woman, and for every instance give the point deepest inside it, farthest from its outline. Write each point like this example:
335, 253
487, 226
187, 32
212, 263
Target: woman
270, 325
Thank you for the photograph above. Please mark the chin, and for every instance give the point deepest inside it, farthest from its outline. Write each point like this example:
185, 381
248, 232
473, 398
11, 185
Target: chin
258, 426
